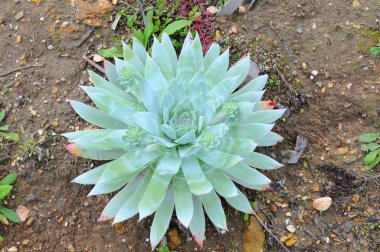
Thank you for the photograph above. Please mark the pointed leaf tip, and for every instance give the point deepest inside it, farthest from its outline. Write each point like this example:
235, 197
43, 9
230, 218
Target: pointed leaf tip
199, 241
102, 218
73, 149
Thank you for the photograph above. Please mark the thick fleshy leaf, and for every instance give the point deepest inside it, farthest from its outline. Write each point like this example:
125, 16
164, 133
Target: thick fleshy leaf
212, 53
186, 64
149, 122
90, 177
221, 183
218, 68
100, 82
196, 47
214, 210
139, 50
188, 150
265, 116
254, 131
195, 177
165, 40
189, 137
80, 133
261, 161
247, 176
130, 208
76, 150
111, 74
155, 77
252, 96
132, 58
183, 200
197, 91
102, 140
232, 145
221, 91
96, 117
122, 170
149, 98
218, 159
117, 202
269, 139
163, 141
158, 185
240, 203
162, 58
197, 225
111, 104
161, 219
240, 69
254, 85
169, 131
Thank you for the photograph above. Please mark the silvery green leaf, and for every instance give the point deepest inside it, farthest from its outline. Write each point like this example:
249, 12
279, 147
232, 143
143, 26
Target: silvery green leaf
214, 210
121, 170
139, 50
77, 150
269, 139
217, 70
102, 140
163, 141
197, 91
111, 104
165, 40
218, 159
155, 77
254, 131
240, 203
96, 117
149, 122
254, 85
212, 53
132, 58
197, 225
162, 58
265, 116
90, 177
251, 96
243, 146
111, 74
130, 208
196, 47
240, 69
183, 200
189, 137
100, 82
221, 91
169, 131
149, 98
186, 64
221, 183
167, 101
261, 161
117, 202
195, 177
189, 150
247, 176
155, 192
162, 219
77, 134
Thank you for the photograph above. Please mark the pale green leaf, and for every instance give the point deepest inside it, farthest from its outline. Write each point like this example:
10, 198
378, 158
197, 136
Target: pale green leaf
214, 210
197, 225
195, 177
261, 161
183, 200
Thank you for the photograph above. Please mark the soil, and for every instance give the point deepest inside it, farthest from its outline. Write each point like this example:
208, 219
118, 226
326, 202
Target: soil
335, 41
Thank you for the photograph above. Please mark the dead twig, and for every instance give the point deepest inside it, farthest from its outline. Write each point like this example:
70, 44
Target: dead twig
86, 37
269, 232
251, 4
260, 49
310, 233
279, 36
141, 6
93, 63
20, 68
367, 178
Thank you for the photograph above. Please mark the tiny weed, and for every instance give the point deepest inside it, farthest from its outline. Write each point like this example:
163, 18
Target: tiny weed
7, 215
375, 50
370, 146
4, 134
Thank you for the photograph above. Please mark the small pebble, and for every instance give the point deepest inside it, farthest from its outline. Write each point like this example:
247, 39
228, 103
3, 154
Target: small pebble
319, 84
12, 249
299, 30
65, 24
314, 26
291, 228
50, 47
314, 72
30, 198
19, 15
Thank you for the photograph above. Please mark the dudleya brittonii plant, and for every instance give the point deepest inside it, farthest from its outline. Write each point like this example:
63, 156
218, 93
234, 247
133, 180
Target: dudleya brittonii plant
178, 135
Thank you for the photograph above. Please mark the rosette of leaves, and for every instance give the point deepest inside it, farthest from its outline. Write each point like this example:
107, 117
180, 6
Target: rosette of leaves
178, 135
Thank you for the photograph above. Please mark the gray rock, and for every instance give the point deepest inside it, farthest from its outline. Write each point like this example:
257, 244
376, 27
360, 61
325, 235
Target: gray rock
30, 198
299, 30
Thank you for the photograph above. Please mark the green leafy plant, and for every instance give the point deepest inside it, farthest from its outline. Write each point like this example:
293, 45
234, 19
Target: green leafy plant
164, 249
375, 50
4, 130
6, 187
156, 25
372, 148
178, 135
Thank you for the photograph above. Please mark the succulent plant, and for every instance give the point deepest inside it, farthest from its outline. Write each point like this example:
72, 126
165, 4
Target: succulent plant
178, 133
